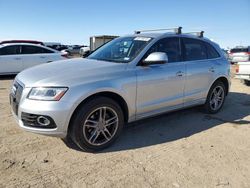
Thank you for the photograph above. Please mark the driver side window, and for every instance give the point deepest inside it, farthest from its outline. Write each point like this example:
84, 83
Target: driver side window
170, 46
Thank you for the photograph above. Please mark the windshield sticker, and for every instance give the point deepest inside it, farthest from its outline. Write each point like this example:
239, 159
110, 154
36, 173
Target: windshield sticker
146, 39
126, 58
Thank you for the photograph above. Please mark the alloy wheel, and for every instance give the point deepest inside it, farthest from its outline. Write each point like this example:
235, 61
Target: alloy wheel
217, 98
100, 126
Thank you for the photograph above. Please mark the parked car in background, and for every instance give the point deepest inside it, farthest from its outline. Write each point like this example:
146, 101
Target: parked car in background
130, 78
243, 72
73, 50
239, 54
15, 57
62, 47
22, 41
84, 51
56, 46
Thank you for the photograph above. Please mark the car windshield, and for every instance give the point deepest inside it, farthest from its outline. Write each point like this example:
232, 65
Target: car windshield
120, 50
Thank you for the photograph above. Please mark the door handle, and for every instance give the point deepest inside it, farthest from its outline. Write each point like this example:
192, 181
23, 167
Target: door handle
42, 57
17, 58
211, 69
179, 73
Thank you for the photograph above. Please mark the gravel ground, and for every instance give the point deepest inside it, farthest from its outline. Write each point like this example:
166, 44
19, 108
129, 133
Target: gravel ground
180, 149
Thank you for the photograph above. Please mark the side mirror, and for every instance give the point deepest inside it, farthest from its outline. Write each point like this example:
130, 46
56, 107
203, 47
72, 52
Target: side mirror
156, 58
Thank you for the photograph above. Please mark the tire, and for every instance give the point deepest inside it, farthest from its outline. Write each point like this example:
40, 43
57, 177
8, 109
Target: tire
210, 105
92, 132
247, 82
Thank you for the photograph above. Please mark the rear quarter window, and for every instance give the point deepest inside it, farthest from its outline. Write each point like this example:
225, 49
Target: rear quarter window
211, 52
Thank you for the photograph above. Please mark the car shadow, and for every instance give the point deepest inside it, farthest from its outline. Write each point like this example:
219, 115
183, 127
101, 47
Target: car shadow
180, 124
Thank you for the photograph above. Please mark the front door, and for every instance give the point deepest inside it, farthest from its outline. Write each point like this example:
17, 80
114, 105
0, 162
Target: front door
160, 87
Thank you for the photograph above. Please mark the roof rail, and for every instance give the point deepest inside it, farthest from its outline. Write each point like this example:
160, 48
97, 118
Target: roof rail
199, 34
177, 30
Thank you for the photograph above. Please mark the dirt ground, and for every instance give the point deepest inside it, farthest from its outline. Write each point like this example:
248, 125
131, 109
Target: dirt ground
180, 149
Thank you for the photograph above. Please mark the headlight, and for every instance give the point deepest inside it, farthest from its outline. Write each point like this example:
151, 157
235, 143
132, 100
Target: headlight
47, 93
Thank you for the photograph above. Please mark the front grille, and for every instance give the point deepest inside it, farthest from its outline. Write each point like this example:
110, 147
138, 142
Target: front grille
15, 96
19, 91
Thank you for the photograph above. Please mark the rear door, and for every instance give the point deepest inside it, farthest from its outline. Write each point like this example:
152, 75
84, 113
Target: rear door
35, 55
10, 60
200, 67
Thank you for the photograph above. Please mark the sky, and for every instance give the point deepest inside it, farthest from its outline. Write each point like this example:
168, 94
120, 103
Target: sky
227, 22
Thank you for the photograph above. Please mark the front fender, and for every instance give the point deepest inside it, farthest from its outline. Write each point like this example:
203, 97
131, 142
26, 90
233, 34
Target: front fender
124, 88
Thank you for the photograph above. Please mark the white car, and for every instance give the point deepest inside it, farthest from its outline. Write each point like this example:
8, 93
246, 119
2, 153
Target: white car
239, 54
16, 57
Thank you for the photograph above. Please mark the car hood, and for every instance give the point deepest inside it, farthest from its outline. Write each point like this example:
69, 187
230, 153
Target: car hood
69, 72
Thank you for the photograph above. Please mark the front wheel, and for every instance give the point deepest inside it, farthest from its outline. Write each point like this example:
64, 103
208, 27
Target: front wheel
216, 97
97, 124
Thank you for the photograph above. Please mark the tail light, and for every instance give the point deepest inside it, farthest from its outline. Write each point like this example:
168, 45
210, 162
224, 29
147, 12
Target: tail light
65, 55
237, 68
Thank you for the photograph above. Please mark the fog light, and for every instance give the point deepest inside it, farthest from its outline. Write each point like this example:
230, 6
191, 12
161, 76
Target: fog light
43, 121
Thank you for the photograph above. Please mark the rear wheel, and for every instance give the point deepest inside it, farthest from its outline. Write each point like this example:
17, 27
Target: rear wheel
97, 124
216, 97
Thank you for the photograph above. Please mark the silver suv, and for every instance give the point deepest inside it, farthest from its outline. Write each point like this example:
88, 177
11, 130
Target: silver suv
130, 78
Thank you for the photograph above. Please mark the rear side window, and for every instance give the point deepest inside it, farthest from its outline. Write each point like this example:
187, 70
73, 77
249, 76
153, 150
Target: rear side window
10, 50
26, 49
194, 50
171, 46
211, 52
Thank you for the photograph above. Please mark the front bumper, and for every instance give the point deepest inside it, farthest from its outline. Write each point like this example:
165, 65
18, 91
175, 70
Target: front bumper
49, 132
59, 111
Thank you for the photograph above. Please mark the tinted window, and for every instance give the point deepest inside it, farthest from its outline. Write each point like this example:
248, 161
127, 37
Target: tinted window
26, 49
211, 52
171, 46
194, 50
236, 50
47, 51
10, 50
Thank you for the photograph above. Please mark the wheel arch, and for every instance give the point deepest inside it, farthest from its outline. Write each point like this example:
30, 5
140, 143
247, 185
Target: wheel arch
225, 81
112, 95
